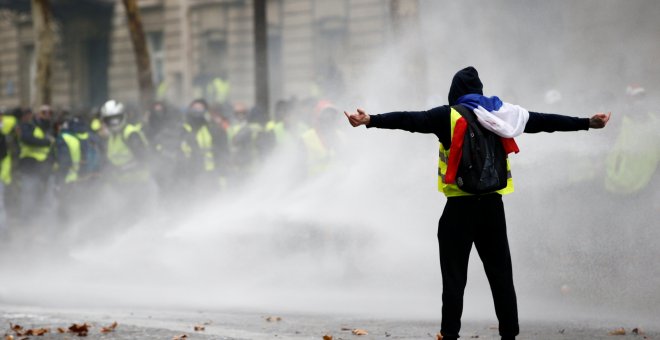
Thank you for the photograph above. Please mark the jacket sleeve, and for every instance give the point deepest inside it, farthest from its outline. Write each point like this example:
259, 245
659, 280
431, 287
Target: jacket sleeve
434, 121
27, 136
549, 122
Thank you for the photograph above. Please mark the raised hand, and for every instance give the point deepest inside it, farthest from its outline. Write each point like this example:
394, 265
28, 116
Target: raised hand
599, 120
358, 118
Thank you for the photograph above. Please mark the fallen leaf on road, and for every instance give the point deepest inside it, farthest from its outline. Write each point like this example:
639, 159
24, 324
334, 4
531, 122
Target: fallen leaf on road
11, 337
109, 328
37, 332
438, 336
358, 331
180, 337
199, 328
346, 329
61, 330
79, 329
327, 337
637, 331
273, 319
15, 328
618, 331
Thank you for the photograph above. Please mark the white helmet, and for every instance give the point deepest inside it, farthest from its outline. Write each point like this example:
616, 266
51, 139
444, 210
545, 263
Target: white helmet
113, 114
112, 108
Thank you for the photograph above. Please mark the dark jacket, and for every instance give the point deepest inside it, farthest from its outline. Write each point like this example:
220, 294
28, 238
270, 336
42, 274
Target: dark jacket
437, 120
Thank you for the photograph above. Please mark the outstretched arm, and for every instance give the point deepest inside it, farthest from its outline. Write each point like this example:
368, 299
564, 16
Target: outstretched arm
434, 121
547, 122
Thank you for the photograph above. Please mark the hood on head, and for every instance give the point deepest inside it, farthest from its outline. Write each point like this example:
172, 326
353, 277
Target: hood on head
466, 81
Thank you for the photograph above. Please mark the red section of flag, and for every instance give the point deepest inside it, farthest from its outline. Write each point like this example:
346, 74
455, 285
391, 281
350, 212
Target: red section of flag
510, 145
455, 151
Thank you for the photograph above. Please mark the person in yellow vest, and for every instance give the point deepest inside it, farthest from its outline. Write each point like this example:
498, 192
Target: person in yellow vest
633, 160
127, 167
631, 186
205, 148
127, 146
275, 126
471, 218
69, 158
35, 139
323, 140
165, 137
247, 143
8, 124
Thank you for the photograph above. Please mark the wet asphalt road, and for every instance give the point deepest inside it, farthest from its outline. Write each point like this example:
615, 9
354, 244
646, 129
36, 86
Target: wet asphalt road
143, 324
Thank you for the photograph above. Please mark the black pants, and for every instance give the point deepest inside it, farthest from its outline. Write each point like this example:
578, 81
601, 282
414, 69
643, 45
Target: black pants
479, 220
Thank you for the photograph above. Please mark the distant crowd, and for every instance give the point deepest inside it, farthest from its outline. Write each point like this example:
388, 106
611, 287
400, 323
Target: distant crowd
58, 164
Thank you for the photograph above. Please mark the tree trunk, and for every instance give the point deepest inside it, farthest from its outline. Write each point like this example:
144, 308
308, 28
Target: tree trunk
262, 96
145, 79
44, 33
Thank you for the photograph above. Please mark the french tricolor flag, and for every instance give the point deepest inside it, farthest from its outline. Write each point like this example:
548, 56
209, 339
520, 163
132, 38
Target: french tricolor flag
504, 119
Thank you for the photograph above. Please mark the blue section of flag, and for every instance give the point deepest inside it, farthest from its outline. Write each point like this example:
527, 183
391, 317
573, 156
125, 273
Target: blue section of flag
472, 101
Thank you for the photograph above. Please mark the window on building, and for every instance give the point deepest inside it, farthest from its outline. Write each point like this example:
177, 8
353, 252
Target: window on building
28, 75
213, 71
214, 54
331, 44
155, 46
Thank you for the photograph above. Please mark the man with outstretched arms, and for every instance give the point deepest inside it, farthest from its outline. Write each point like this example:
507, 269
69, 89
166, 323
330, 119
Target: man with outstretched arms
474, 218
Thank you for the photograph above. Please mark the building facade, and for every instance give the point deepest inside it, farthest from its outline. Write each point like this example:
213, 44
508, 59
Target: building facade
193, 43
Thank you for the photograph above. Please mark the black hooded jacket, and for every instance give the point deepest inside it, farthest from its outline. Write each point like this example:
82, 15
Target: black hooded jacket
437, 120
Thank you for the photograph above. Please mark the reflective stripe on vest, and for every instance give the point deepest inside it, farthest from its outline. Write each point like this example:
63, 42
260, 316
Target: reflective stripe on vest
40, 153
73, 144
451, 190
204, 142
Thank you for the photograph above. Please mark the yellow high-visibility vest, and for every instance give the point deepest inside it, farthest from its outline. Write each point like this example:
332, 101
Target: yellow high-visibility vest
8, 125
635, 156
318, 156
118, 152
277, 128
73, 144
452, 190
40, 153
204, 143
95, 124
